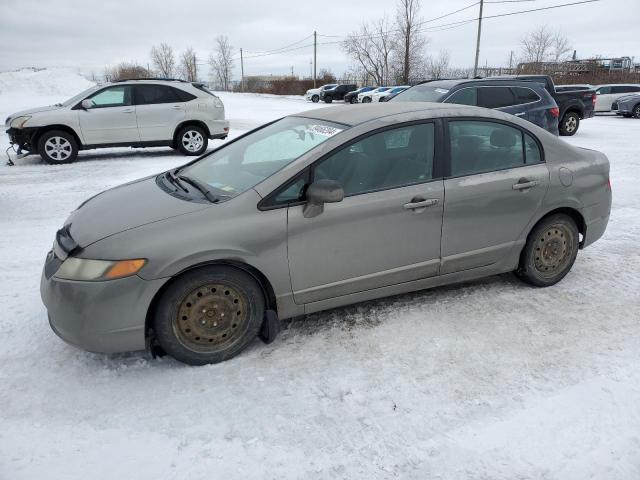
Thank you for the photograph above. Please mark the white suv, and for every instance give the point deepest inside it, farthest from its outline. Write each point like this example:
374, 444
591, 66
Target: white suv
136, 113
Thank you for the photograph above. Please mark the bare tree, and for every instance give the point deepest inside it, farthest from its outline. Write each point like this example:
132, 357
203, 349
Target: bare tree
560, 47
163, 59
408, 58
371, 48
124, 71
537, 45
221, 62
189, 65
438, 67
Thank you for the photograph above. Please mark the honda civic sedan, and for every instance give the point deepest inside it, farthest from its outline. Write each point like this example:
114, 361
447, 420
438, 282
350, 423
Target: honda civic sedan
318, 210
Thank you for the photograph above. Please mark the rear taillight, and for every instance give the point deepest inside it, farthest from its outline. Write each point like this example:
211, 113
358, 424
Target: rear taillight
555, 112
594, 97
609, 183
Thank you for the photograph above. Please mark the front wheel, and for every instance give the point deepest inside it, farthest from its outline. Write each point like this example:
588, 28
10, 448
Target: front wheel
315, 98
192, 140
57, 147
569, 124
353, 100
209, 315
328, 99
366, 100
550, 251
636, 111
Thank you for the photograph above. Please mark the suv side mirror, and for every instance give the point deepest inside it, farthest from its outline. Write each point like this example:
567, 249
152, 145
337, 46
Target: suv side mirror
319, 193
86, 103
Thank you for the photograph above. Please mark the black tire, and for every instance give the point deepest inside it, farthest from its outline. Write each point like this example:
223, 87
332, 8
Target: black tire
57, 147
569, 124
550, 251
353, 99
366, 100
636, 111
192, 140
328, 99
315, 98
185, 320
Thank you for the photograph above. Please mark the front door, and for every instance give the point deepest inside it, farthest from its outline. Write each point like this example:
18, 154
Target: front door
111, 119
386, 230
494, 189
159, 111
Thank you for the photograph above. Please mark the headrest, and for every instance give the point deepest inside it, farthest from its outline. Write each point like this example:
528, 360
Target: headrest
503, 138
469, 142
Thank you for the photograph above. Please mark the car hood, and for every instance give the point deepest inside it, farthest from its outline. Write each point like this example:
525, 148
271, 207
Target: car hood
123, 208
314, 90
31, 111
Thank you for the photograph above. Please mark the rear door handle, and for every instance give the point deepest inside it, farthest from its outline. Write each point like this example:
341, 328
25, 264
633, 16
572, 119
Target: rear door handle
519, 114
177, 107
418, 203
525, 183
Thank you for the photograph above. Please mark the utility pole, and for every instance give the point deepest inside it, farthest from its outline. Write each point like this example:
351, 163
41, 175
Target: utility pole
315, 48
241, 72
511, 60
475, 65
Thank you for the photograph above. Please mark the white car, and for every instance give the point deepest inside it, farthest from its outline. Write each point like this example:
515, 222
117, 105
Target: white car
608, 93
366, 97
131, 113
381, 96
313, 94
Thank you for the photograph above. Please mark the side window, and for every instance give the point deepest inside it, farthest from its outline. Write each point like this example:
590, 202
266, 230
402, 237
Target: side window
524, 95
603, 91
465, 96
153, 94
182, 95
389, 159
495, 97
481, 146
634, 89
293, 192
119, 96
532, 152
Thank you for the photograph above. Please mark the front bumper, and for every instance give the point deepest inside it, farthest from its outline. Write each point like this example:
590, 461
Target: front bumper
104, 317
23, 138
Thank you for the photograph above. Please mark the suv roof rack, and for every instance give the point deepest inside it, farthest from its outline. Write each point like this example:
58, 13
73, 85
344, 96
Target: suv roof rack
163, 79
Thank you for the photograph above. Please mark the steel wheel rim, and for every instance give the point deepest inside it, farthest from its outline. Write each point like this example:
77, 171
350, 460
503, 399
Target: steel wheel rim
554, 250
192, 140
211, 318
570, 124
58, 148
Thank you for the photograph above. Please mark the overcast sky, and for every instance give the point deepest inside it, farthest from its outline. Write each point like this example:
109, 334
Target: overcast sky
88, 34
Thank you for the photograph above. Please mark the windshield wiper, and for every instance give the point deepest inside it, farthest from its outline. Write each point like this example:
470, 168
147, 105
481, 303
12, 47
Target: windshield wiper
202, 187
174, 180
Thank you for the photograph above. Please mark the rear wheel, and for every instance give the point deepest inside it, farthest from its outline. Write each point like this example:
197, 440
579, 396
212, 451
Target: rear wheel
192, 140
328, 99
636, 111
569, 124
57, 147
209, 315
550, 251
366, 100
354, 99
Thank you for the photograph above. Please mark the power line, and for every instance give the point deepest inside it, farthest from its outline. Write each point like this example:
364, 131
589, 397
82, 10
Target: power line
277, 50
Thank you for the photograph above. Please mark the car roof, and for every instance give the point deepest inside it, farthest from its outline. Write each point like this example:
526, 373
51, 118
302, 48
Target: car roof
348, 115
493, 82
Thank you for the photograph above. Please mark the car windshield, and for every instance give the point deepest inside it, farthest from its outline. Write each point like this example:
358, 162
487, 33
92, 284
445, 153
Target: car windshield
421, 93
78, 97
242, 164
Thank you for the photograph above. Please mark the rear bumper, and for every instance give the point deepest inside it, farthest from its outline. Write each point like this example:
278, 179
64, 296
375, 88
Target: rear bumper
104, 317
218, 128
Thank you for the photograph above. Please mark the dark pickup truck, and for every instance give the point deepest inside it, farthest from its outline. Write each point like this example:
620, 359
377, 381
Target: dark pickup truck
574, 105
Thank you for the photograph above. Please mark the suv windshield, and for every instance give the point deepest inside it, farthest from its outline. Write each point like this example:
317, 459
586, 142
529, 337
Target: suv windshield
242, 164
78, 97
421, 93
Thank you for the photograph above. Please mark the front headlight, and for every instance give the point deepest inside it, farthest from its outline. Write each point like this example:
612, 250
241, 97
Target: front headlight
19, 122
74, 268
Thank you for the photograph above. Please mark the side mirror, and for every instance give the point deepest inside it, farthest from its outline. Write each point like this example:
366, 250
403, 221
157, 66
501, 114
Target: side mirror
86, 103
319, 193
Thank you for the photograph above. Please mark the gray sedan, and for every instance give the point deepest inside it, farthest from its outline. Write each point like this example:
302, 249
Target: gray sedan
315, 211
627, 105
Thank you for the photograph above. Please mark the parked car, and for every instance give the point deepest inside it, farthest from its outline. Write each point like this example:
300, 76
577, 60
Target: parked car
607, 94
573, 88
627, 105
365, 97
313, 94
382, 96
338, 92
135, 113
574, 105
315, 211
528, 100
352, 97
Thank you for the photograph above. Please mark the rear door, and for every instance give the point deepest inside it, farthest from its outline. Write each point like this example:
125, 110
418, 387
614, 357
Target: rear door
493, 189
604, 99
159, 110
529, 104
111, 119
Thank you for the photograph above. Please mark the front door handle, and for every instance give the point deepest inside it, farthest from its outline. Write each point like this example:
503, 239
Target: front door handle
128, 111
177, 107
525, 183
420, 203
520, 114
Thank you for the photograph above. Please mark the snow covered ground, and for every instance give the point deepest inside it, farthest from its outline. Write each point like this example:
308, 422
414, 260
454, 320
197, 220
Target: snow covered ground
486, 380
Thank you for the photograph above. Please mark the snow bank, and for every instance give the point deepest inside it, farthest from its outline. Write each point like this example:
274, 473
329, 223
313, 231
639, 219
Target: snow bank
43, 82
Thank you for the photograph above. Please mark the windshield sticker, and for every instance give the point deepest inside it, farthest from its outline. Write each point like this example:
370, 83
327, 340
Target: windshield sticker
441, 90
323, 130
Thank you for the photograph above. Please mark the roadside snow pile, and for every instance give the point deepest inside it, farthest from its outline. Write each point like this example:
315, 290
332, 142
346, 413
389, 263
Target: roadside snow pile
43, 82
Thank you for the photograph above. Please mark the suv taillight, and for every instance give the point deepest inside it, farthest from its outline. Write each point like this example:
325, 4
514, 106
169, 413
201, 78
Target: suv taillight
594, 97
555, 112
609, 183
